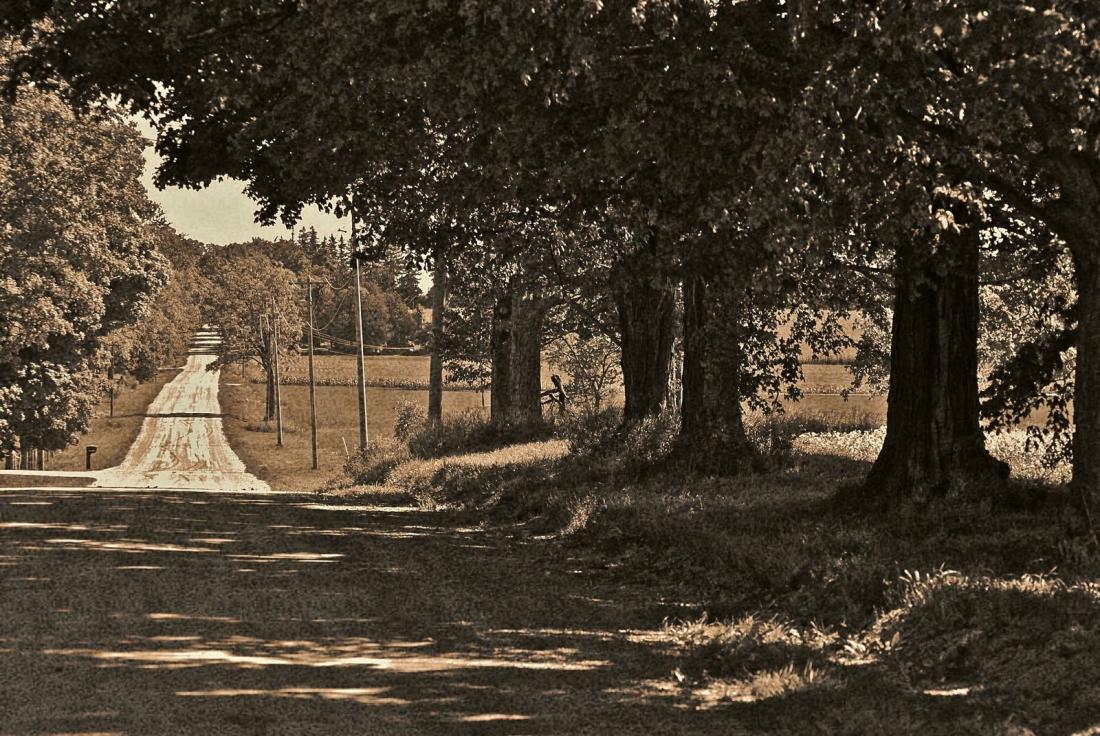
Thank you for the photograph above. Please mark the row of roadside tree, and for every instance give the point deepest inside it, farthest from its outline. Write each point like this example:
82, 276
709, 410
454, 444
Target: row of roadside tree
732, 177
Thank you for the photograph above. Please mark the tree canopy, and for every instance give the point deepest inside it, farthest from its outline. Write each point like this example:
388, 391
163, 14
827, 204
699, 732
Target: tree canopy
721, 179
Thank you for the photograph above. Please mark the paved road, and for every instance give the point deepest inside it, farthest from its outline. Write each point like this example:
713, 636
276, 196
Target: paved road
182, 444
166, 612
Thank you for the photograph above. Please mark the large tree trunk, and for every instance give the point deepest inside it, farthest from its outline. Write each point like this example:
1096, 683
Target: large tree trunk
500, 397
526, 368
712, 427
934, 443
693, 409
646, 303
435, 369
1086, 394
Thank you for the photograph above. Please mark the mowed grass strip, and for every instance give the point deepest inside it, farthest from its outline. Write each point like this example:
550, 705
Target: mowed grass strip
113, 436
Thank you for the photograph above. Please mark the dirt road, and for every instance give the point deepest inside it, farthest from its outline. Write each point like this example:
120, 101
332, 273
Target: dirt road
149, 613
175, 612
182, 444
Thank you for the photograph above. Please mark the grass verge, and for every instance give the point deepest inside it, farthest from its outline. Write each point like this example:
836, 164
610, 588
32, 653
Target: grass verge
964, 619
288, 467
113, 436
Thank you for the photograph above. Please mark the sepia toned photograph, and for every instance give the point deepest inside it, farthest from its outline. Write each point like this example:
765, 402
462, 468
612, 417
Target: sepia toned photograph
549, 367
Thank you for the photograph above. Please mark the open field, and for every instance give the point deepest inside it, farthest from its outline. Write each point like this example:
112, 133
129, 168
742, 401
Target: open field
288, 468
382, 371
242, 400
113, 435
387, 370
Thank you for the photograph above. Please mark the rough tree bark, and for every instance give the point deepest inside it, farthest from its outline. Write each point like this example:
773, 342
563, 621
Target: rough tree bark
646, 303
712, 428
1086, 398
526, 364
435, 369
934, 442
500, 396
693, 410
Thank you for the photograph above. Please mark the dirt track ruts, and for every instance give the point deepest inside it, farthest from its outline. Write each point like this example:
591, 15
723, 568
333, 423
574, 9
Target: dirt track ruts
182, 443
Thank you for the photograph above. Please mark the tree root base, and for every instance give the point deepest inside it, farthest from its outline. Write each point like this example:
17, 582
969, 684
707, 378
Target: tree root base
894, 484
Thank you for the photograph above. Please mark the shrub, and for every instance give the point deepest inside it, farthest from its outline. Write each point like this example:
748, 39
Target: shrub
592, 433
600, 442
374, 462
774, 435
649, 442
410, 419
470, 431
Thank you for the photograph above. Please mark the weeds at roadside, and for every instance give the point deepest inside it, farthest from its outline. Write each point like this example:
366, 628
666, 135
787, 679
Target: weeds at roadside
951, 653
271, 426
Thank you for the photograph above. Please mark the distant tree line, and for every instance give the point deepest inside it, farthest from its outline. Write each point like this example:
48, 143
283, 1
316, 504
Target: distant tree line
260, 287
724, 179
97, 290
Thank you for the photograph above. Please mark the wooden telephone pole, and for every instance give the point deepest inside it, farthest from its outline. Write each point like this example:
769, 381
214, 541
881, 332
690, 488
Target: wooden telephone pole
361, 374
312, 383
278, 389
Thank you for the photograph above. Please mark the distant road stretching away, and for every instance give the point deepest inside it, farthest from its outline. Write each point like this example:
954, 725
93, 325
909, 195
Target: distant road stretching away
182, 444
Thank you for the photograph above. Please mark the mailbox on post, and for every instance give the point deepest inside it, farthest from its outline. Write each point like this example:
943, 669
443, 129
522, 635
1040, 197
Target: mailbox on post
88, 452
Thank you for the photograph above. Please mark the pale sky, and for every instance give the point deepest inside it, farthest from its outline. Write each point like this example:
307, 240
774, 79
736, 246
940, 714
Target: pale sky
221, 213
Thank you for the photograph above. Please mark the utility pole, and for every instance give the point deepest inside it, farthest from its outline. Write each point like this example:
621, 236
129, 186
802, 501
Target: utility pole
435, 366
278, 389
312, 384
361, 371
268, 398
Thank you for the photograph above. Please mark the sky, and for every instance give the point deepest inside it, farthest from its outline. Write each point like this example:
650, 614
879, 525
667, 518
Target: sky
221, 213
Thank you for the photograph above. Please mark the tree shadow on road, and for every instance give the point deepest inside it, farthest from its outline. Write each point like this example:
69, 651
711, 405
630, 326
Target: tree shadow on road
176, 612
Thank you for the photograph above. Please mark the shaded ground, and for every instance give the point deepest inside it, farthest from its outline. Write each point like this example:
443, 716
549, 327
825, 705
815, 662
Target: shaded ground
141, 613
